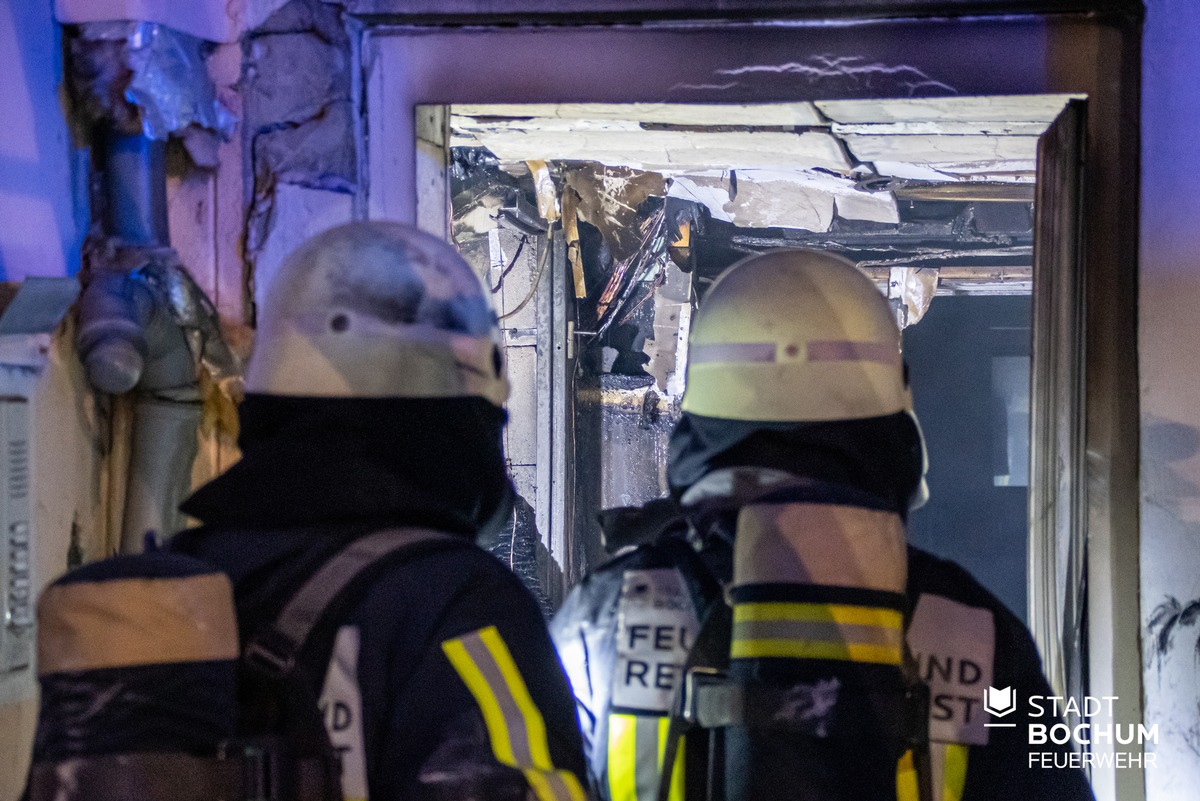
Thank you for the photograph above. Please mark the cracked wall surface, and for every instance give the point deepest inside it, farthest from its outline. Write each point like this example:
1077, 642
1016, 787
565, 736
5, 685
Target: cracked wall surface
300, 132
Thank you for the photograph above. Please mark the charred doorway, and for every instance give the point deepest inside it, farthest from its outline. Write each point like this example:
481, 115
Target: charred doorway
598, 229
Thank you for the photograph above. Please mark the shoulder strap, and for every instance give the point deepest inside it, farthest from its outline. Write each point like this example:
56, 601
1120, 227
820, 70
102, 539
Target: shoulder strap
274, 649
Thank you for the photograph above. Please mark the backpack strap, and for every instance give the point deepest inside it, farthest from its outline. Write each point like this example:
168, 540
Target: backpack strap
274, 649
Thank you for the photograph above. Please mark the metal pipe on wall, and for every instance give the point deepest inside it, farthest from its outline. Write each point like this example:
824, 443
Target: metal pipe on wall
135, 188
130, 341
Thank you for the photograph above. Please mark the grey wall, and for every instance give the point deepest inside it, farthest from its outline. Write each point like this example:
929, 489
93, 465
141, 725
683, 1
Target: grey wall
1169, 361
968, 519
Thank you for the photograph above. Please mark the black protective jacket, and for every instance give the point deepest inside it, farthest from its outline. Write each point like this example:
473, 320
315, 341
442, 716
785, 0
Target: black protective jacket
954, 612
433, 639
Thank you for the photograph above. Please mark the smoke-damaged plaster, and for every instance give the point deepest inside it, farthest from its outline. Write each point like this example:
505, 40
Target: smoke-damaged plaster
299, 121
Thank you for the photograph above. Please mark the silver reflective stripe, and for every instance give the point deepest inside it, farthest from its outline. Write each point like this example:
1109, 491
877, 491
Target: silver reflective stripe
647, 771
558, 785
809, 630
841, 350
518, 731
515, 725
732, 352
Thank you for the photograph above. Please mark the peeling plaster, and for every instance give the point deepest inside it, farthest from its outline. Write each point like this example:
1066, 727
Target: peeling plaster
300, 123
781, 204
667, 350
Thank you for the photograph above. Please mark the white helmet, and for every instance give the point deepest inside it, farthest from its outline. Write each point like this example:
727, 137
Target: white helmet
377, 310
794, 335
797, 336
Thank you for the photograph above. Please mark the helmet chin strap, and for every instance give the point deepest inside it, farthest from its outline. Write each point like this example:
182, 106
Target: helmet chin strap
500, 514
920, 495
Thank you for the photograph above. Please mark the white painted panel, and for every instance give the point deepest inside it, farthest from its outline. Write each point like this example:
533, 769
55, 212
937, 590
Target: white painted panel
661, 149
41, 192
19, 138
516, 286
522, 405
30, 241
1169, 362
699, 114
525, 480
1012, 108
933, 149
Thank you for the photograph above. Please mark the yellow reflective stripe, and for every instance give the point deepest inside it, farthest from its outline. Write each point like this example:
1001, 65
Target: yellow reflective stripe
515, 725
907, 787
493, 717
622, 758
954, 771
535, 725
819, 613
629, 767
817, 631
816, 649
676, 792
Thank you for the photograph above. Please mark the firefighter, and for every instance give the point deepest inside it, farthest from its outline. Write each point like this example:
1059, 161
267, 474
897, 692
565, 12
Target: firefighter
374, 400
778, 620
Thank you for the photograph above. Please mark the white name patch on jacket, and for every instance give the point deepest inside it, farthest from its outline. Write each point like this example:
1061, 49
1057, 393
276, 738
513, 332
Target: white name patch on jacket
954, 645
341, 709
656, 626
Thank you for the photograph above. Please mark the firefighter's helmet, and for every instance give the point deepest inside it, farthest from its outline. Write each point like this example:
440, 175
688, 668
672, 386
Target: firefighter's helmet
794, 335
377, 310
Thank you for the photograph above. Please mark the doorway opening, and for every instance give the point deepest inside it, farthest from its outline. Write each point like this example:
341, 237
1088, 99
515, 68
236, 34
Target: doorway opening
599, 227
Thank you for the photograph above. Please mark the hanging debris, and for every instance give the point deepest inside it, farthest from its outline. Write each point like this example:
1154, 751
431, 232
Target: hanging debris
610, 197
911, 290
146, 78
543, 187
570, 218
642, 265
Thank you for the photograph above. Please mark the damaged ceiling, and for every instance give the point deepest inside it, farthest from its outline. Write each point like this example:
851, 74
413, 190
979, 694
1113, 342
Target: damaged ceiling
928, 196
931, 182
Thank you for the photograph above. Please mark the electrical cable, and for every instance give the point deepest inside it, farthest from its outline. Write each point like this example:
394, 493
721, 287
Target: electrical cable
511, 264
543, 257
